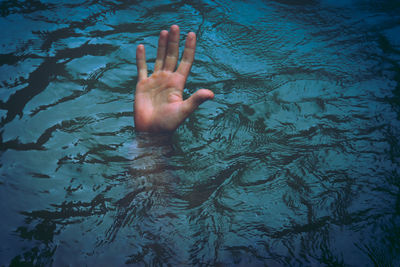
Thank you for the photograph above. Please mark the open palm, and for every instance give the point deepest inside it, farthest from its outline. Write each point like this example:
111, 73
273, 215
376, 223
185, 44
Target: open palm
159, 106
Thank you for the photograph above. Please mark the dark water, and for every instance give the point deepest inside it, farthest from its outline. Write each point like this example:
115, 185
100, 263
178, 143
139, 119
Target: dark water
295, 162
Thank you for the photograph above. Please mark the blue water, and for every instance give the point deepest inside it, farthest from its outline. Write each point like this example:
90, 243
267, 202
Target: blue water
295, 162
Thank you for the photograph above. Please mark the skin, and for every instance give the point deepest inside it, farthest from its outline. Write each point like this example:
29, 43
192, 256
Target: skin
159, 106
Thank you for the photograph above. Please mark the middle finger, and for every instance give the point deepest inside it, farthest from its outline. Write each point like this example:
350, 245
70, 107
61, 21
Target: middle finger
173, 49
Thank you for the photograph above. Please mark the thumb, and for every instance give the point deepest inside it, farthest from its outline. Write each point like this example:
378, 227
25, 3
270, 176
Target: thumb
196, 99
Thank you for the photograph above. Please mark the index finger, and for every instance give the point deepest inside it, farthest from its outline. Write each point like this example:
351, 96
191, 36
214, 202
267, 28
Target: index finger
188, 55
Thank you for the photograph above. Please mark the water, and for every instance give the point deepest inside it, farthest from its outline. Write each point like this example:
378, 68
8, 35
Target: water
294, 163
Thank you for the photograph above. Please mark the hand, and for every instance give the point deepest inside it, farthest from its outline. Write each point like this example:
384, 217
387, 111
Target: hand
159, 106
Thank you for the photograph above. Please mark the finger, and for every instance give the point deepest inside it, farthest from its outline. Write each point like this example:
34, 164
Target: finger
188, 55
196, 100
141, 62
173, 49
161, 50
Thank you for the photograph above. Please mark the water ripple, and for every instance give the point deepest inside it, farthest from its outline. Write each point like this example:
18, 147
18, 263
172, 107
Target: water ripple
295, 162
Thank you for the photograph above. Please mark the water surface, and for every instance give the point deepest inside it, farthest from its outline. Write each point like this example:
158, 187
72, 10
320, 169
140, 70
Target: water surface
294, 163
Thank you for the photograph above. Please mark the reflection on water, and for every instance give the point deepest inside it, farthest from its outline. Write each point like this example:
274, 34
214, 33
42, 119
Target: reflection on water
295, 162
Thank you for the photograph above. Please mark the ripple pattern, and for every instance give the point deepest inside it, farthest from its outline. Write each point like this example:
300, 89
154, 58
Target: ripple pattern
294, 163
